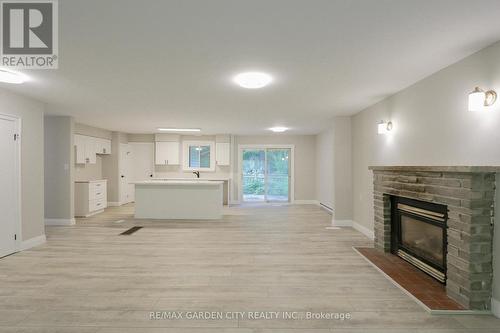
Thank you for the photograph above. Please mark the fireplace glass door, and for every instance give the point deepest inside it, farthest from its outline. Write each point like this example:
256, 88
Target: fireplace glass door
418, 234
423, 239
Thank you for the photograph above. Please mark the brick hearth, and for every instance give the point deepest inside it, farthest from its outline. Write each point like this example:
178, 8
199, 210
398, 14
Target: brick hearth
468, 192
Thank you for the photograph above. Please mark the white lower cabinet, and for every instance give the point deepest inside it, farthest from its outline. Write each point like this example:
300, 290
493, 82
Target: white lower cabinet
90, 197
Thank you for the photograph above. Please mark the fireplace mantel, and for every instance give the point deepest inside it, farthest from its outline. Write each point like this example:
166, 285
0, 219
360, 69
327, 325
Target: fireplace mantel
452, 169
468, 192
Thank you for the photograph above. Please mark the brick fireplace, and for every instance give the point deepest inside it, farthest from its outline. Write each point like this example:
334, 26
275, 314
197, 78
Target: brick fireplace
468, 194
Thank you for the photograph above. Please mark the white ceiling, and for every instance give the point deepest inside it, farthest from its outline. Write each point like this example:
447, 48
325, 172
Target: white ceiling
133, 66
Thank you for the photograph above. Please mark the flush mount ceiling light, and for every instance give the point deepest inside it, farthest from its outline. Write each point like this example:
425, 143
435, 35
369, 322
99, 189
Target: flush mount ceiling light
8, 76
253, 80
480, 99
178, 129
278, 129
384, 127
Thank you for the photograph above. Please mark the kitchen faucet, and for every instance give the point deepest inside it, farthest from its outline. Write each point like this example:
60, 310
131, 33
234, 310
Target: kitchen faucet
197, 173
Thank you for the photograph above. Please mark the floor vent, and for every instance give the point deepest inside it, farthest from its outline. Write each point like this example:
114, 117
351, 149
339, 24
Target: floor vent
130, 231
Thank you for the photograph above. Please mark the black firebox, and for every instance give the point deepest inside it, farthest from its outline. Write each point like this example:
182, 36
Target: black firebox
418, 234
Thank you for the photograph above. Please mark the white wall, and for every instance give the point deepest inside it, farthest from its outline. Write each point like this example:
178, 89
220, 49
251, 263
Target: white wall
32, 174
431, 127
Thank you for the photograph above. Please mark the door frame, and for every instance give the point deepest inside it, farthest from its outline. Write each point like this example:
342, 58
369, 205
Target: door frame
291, 188
17, 175
120, 169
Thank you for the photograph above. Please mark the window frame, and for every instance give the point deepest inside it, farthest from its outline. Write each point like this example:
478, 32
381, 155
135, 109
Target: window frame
185, 152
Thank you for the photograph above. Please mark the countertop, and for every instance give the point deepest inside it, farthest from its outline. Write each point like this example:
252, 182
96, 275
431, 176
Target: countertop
193, 178
191, 182
91, 181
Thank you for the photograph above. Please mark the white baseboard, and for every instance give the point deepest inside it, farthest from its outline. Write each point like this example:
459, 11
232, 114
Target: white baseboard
60, 221
341, 223
355, 225
364, 230
114, 204
306, 202
495, 307
32, 242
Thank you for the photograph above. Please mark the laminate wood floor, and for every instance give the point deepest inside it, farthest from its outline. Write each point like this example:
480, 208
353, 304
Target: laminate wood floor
260, 259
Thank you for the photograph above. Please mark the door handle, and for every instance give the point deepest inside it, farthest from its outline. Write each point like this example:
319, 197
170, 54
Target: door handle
122, 176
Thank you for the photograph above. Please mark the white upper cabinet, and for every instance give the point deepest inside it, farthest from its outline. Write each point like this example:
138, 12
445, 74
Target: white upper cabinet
167, 153
103, 146
222, 153
80, 149
86, 148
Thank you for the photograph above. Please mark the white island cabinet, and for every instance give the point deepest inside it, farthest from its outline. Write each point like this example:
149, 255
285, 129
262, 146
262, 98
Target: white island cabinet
90, 197
168, 199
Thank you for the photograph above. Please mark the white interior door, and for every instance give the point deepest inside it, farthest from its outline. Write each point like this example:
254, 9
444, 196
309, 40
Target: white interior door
142, 161
9, 185
126, 193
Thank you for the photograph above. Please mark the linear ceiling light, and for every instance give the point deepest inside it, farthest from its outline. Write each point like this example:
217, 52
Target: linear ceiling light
278, 129
179, 129
8, 76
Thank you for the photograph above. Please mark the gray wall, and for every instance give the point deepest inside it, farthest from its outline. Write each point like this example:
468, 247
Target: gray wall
342, 169
431, 127
111, 166
334, 169
32, 193
92, 131
58, 159
324, 166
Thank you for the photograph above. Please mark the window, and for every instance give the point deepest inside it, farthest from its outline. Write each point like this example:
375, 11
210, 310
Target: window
199, 155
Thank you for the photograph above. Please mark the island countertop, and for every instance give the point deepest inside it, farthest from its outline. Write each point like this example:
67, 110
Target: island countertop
178, 182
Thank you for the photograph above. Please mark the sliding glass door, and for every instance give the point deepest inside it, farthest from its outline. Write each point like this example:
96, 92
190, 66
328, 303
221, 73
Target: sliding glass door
265, 174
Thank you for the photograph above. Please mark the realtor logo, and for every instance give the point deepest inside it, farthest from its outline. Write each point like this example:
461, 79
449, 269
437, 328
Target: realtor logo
29, 34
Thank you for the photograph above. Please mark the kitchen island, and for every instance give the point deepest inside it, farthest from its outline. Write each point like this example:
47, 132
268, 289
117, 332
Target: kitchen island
178, 199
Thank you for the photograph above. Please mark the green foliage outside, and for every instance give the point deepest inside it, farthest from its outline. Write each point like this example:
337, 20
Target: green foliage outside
254, 170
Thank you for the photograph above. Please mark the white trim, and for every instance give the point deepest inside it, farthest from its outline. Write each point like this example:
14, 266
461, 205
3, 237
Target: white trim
60, 221
341, 223
17, 175
495, 307
92, 213
32, 242
267, 146
185, 155
306, 202
355, 225
364, 230
114, 204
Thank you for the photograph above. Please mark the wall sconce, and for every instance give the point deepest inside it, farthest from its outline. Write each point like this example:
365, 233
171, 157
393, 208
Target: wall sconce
479, 99
384, 127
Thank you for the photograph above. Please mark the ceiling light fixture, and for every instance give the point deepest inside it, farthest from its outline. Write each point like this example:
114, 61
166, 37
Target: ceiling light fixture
253, 80
179, 129
384, 127
480, 99
8, 76
278, 129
